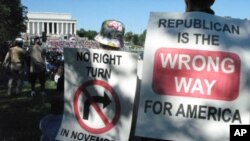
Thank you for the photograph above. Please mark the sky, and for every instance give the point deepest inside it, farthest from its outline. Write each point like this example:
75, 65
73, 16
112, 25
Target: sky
133, 13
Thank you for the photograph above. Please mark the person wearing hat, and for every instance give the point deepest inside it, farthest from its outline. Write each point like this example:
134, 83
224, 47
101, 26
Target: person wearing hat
111, 35
199, 5
16, 59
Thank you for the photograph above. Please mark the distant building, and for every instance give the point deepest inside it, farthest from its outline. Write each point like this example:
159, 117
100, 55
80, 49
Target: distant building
58, 24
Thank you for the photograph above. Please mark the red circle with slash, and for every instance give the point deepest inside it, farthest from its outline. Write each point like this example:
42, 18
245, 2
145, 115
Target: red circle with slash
108, 125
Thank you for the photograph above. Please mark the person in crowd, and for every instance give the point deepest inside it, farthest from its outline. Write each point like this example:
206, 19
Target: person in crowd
111, 38
199, 5
37, 66
15, 58
58, 73
111, 35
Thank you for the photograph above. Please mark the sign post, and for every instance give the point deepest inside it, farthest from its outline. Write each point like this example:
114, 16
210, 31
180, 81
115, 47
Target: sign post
99, 94
195, 83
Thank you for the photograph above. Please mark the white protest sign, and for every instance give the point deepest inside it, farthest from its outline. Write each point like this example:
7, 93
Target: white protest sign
195, 80
99, 94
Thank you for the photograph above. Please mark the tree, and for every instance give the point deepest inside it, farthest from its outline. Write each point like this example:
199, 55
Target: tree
142, 38
128, 36
135, 39
80, 32
13, 16
90, 34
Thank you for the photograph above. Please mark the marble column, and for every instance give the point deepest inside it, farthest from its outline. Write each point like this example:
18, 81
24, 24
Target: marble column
74, 31
42, 26
33, 27
67, 30
38, 28
47, 27
53, 29
28, 27
62, 27
57, 28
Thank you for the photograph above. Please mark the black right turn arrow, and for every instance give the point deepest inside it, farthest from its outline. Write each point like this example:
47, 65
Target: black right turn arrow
96, 99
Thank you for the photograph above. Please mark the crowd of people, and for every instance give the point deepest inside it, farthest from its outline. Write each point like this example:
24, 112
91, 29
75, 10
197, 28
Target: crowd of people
36, 61
29, 63
42, 60
72, 42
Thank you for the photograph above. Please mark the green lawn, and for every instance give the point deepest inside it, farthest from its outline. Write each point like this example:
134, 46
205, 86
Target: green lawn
20, 115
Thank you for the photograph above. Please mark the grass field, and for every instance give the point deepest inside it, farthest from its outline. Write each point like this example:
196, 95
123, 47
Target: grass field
20, 115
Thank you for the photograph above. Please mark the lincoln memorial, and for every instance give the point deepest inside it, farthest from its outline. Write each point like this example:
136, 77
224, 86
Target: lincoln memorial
51, 23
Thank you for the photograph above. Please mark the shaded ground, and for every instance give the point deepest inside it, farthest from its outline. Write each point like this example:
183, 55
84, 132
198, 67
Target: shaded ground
20, 115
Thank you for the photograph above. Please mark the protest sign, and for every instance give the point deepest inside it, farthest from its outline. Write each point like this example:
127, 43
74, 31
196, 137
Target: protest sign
99, 94
195, 79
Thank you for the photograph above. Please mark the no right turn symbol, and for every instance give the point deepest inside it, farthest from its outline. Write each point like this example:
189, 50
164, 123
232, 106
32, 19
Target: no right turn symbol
96, 106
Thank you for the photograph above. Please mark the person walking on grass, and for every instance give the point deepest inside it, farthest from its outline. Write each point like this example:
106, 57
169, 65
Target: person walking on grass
15, 57
37, 67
